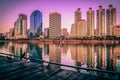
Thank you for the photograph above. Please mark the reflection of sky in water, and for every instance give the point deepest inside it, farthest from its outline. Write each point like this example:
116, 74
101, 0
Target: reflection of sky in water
90, 56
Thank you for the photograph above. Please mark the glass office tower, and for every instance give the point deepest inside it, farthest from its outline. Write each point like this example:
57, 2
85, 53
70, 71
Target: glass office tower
36, 24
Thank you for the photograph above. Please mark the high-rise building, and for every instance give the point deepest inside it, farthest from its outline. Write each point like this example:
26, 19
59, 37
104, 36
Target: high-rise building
90, 22
28, 32
77, 19
116, 30
64, 33
110, 19
11, 32
100, 21
20, 26
46, 32
74, 26
73, 31
16, 29
54, 25
36, 24
23, 25
77, 15
81, 29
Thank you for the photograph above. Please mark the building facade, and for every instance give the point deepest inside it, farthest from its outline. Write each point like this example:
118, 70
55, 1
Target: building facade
81, 29
20, 27
11, 33
110, 19
90, 22
116, 30
77, 15
73, 31
54, 25
35, 24
100, 21
64, 32
74, 26
46, 32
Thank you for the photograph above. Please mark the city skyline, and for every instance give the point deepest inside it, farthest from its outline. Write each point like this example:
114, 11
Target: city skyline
10, 12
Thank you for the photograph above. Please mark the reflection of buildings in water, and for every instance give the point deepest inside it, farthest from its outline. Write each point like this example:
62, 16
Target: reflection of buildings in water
2, 44
78, 53
117, 57
54, 55
19, 48
6, 46
41, 45
117, 52
90, 56
73, 50
111, 60
64, 49
10, 47
101, 57
35, 51
46, 49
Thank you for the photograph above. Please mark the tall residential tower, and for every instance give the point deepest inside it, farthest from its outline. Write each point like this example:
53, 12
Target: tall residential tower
110, 19
20, 26
54, 25
100, 21
77, 15
74, 27
90, 22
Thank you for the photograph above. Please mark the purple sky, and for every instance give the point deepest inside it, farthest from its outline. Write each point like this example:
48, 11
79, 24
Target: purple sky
9, 10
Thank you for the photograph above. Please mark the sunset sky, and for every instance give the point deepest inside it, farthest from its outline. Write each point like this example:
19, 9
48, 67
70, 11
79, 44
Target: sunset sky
9, 10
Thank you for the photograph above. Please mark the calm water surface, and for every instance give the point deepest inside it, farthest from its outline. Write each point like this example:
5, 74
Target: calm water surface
98, 56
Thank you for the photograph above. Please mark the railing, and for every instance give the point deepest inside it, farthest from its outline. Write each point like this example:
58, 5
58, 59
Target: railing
77, 67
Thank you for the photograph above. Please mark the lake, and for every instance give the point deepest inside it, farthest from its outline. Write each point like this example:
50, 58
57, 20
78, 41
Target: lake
97, 56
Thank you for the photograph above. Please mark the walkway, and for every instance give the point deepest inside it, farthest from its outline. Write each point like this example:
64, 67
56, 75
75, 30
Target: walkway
16, 69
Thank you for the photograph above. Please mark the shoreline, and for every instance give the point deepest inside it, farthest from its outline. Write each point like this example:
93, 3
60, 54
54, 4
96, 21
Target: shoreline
68, 41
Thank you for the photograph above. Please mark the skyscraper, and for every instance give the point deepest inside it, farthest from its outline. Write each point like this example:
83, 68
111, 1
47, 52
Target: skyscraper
110, 19
73, 31
54, 25
35, 24
100, 21
90, 22
20, 26
23, 25
77, 15
77, 19
74, 26
81, 29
